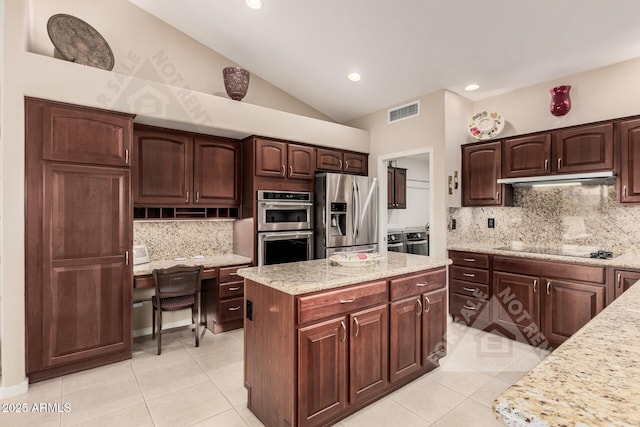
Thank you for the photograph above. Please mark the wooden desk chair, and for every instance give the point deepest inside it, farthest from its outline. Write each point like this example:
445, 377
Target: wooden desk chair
177, 288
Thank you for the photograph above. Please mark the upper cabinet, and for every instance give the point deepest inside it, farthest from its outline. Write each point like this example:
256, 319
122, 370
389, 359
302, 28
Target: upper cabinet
331, 160
278, 159
574, 150
172, 168
583, 149
481, 168
396, 188
629, 171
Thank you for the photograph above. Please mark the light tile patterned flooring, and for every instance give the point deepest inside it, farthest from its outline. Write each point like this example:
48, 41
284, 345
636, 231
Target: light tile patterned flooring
188, 386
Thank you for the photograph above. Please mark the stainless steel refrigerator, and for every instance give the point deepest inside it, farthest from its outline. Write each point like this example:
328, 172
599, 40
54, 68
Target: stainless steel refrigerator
346, 214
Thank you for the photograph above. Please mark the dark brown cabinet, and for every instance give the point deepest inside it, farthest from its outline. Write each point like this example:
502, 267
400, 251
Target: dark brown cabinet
331, 160
434, 327
406, 335
469, 289
583, 149
516, 303
629, 170
481, 168
180, 169
624, 279
396, 188
78, 290
279, 159
527, 156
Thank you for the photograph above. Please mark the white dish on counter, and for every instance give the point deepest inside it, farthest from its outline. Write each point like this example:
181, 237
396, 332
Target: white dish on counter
355, 259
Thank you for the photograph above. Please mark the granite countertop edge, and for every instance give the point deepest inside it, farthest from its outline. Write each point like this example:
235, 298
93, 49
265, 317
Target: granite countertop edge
303, 277
210, 261
629, 259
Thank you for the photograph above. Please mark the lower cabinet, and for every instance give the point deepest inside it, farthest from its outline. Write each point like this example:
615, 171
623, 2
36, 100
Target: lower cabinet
623, 279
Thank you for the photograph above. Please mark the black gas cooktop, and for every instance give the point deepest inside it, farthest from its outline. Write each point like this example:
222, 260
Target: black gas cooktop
572, 252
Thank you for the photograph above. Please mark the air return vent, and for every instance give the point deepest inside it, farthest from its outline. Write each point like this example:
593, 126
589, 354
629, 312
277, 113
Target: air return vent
404, 112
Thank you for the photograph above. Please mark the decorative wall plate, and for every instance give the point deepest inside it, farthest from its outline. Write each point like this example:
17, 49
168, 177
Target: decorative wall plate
485, 125
79, 42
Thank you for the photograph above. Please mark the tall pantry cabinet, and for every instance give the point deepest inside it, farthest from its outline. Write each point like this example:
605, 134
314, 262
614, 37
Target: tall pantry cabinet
78, 238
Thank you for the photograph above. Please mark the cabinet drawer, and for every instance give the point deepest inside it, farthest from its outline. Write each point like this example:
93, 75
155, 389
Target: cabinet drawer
550, 269
475, 290
341, 301
210, 273
469, 259
469, 310
144, 282
230, 290
469, 274
231, 309
417, 284
229, 274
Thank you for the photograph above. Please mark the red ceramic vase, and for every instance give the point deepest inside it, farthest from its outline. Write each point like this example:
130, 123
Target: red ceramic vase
560, 100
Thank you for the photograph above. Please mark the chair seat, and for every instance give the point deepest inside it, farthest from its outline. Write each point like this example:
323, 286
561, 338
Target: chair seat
175, 303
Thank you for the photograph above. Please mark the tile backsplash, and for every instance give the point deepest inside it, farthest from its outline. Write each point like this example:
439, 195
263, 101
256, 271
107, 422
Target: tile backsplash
584, 215
171, 239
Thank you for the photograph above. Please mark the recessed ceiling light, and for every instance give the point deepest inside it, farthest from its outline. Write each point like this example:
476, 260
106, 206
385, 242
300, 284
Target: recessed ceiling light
471, 87
354, 77
254, 4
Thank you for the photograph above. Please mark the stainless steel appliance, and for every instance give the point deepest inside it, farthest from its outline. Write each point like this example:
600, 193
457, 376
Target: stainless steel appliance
284, 223
417, 242
346, 214
284, 210
395, 241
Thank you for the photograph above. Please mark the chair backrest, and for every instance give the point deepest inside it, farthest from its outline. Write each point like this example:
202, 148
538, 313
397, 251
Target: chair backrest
177, 281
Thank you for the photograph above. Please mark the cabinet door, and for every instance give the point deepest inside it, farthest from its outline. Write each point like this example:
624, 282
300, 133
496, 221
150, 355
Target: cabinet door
405, 331
216, 172
390, 188
583, 149
434, 327
271, 158
516, 304
163, 172
629, 179
527, 156
83, 135
355, 163
568, 306
328, 160
368, 353
400, 188
302, 161
86, 283
624, 280
481, 168
322, 371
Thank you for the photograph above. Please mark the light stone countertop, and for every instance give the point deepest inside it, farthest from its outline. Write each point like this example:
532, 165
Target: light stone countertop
208, 262
626, 260
592, 379
297, 278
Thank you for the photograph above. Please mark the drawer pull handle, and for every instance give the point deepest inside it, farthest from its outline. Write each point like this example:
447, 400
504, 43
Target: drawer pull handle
469, 289
357, 331
468, 275
347, 301
427, 306
233, 274
548, 287
234, 308
235, 288
469, 308
344, 331
419, 307
619, 280
422, 285
535, 285
469, 259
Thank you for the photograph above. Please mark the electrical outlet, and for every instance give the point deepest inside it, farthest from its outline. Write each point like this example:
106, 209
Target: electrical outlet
491, 223
453, 223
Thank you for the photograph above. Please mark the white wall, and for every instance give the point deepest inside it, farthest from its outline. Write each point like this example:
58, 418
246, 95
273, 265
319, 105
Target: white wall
457, 113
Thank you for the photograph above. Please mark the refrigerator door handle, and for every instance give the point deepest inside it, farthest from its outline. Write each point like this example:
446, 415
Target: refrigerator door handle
354, 221
358, 208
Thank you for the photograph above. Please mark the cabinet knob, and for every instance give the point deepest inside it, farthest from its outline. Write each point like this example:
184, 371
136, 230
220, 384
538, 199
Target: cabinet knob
535, 286
197, 197
546, 164
419, 307
357, 328
548, 287
559, 162
468, 275
290, 170
469, 259
344, 331
235, 288
340, 164
619, 280
283, 170
624, 192
346, 164
469, 289
347, 301
187, 198
427, 306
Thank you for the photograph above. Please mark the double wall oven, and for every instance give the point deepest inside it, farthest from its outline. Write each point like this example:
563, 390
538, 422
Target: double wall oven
285, 226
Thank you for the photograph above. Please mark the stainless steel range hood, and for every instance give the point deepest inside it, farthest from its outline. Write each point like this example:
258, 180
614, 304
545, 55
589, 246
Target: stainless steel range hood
592, 178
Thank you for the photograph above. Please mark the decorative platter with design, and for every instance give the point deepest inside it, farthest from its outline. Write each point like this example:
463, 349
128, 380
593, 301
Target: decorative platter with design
485, 125
355, 259
79, 42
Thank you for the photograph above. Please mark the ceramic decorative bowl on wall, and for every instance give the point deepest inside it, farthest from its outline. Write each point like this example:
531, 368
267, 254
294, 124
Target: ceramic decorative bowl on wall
236, 82
485, 125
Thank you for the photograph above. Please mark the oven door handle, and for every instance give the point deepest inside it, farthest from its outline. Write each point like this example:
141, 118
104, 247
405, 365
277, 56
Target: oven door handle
416, 242
289, 205
282, 235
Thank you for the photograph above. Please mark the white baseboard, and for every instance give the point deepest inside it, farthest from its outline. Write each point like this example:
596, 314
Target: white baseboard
14, 390
147, 331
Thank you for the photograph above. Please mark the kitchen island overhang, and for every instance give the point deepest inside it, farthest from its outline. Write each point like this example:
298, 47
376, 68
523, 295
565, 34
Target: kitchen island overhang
323, 341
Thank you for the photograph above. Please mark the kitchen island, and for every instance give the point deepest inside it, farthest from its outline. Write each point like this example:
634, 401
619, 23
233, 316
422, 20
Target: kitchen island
324, 340
590, 380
